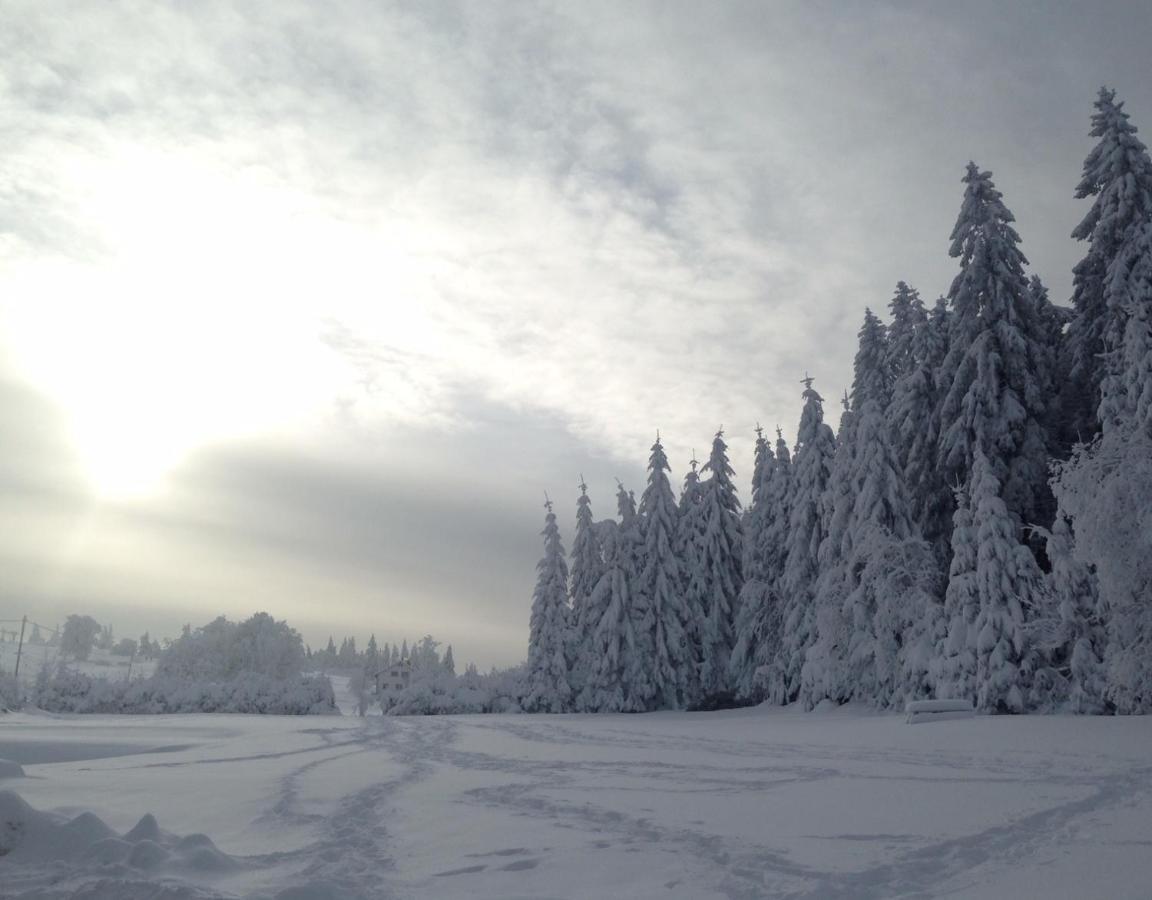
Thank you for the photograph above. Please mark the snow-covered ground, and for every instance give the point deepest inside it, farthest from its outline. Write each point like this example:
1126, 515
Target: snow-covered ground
740, 804
100, 663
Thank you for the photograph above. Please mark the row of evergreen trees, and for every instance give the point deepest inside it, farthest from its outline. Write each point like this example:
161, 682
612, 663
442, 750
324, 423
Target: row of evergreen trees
980, 526
375, 657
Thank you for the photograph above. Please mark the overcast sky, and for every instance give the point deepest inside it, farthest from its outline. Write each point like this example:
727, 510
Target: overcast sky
304, 306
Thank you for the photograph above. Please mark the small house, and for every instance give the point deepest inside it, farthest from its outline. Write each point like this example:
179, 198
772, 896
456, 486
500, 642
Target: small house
394, 678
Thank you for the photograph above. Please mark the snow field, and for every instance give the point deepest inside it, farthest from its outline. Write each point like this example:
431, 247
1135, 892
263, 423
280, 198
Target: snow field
740, 804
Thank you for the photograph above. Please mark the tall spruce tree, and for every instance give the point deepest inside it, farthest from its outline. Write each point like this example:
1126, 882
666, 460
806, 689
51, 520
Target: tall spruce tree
907, 315
762, 460
995, 369
877, 613
587, 569
759, 514
913, 415
861, 617
720, 555
641, 687
755, 600
759, 633
1104, 488
548, 687
822, 674
689, 550
1126, 392
620, 653
811, 468
661, 583
1118, 175
776, 528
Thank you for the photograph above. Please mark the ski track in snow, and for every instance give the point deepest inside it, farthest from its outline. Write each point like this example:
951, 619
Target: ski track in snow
741, 871
545, 794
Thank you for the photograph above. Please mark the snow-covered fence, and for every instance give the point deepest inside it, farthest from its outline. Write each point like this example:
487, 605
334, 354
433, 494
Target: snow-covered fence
920, 711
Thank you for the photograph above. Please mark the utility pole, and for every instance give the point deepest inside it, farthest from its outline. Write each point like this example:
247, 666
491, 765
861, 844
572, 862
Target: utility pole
19, 649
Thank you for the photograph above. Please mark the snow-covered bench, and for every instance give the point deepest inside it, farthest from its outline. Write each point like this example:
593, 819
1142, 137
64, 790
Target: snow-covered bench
937, 710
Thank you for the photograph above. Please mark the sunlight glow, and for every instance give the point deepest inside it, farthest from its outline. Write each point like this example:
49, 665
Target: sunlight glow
201, 320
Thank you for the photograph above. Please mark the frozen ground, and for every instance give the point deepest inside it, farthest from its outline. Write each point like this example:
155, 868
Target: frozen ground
750, 803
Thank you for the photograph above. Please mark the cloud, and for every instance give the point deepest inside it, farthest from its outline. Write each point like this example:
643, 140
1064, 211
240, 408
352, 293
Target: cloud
398, 531
543, 229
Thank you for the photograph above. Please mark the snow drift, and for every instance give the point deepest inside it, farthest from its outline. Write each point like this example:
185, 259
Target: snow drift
86, 845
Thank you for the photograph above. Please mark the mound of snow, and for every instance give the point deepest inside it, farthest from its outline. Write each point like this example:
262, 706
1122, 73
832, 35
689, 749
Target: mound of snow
9, 769
30, 836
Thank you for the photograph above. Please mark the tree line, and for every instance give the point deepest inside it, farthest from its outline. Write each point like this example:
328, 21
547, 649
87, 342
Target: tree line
978, 527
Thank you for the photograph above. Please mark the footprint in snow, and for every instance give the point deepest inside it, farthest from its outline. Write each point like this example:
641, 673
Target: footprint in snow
467, 870
511, 851
520, 865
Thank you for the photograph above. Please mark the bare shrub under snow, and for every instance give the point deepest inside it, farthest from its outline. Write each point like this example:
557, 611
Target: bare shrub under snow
254, 666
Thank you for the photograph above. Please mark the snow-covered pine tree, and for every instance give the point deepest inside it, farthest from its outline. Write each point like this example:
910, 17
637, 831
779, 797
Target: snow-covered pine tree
862, 612
839, 496
403, 650
1070, 632
1104, 488
777, 514
908, 315
640, 677
902, 582
760, 623
603, 656
954, 665
880, 522
661, 584
548, 687
1126, 392
762, 461
754, 605
449, 663
587, 569
690, 491
689, 544
913, 416
995, 374
616, 647
1118, 174
822, 673
1011, 587
372, 654
811, 467
721, 556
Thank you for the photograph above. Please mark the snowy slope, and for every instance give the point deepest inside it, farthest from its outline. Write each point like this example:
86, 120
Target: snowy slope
749, 803
101, 663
